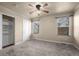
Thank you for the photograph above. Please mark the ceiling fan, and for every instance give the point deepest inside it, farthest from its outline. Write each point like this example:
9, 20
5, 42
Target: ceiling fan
38, 7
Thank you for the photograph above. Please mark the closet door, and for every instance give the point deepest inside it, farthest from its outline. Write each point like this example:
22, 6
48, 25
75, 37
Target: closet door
8, 31
5, 32
11, 32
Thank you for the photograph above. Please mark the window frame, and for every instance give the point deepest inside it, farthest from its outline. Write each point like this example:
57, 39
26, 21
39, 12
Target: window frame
33, 32
60, 27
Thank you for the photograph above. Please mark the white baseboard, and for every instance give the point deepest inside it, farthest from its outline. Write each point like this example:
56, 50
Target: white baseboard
53, 41
76, 46
60, 42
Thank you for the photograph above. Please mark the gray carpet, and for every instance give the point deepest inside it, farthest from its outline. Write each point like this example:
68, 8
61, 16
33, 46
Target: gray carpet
40, 48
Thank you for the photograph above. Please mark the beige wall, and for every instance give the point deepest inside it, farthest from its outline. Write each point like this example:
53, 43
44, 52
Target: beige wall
26, 29
18, 24
48, 31
18, 29
76, 27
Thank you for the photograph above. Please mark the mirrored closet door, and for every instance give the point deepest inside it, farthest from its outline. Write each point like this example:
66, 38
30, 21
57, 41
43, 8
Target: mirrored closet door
8, 31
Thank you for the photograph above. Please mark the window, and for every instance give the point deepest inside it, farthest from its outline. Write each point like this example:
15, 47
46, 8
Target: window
35, 27
63, 25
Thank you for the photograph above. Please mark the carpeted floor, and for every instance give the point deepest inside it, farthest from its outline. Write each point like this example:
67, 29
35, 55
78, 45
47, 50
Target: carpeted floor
40, 48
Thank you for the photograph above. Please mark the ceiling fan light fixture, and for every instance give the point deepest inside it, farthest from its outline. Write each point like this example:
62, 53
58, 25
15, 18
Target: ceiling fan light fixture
38, 12
38, 6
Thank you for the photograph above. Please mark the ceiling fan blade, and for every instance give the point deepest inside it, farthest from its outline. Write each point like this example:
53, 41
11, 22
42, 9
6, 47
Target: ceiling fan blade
45, 11
45, 5
30, 5
31, 12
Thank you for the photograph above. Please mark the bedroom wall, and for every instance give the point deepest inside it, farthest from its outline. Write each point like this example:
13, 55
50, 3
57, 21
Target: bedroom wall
18, 29
26, 29
76, 28
48, 30
18, 24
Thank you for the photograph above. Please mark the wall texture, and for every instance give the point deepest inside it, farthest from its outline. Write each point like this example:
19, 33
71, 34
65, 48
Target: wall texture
18, 29
26, 29
48, 31
76, 27
18, 24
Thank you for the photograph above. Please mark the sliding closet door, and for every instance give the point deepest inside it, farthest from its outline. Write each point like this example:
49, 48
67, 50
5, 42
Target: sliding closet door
11, 31
8, 31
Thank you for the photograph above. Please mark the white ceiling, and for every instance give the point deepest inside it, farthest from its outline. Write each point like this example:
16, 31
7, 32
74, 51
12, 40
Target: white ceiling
53, 7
